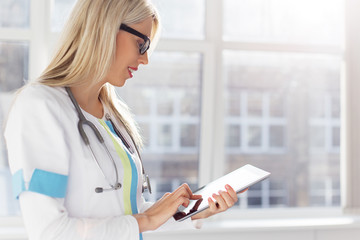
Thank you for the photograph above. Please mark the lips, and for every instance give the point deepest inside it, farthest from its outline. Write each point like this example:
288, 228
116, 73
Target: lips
131, 70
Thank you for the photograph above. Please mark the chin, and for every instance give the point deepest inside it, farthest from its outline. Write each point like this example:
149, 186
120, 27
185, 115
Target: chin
118, 83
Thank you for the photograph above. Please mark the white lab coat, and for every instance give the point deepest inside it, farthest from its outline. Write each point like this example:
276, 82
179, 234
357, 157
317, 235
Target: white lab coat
55, 175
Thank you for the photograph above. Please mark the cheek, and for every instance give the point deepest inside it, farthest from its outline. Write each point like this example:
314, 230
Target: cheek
122, 57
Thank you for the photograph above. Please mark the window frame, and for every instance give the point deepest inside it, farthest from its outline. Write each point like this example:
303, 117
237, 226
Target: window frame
212, 140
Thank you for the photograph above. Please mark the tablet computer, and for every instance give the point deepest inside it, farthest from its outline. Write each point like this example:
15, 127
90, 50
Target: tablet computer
239, 180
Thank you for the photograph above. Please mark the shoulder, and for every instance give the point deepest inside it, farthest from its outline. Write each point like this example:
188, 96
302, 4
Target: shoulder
36, 97
36, 103
40, 93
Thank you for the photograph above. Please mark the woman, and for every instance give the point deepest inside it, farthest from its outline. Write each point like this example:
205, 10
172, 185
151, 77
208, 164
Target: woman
69, 184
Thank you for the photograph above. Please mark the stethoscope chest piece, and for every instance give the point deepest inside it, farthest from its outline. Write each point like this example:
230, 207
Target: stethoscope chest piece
117, 186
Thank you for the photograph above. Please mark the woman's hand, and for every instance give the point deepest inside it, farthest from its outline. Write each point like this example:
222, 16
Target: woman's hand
224, 201
165, 208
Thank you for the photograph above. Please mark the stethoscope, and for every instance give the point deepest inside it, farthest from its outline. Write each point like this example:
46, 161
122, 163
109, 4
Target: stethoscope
83, 121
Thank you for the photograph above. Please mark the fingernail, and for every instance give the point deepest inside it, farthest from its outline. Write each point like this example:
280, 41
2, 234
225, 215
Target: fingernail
227, 186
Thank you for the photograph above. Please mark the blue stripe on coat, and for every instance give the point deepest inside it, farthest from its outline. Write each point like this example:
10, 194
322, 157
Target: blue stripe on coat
18, 183
43, 182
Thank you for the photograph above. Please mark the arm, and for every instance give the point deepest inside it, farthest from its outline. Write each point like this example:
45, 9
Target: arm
37, 140
47, 218
165, 208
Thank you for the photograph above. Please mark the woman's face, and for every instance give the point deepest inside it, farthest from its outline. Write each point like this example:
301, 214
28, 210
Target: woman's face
127, 56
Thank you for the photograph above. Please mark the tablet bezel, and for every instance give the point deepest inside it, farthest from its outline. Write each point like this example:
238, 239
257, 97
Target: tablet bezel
260, 176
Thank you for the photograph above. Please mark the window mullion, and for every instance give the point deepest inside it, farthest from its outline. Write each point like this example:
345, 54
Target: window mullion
207, 133
214, 26
14, 34
39, 25
350, 151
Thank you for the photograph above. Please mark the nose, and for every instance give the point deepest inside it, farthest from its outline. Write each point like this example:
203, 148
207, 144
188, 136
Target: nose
143, 59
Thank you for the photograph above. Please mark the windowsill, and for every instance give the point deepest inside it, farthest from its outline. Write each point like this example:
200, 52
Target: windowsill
246, 222
283, 224
258, 227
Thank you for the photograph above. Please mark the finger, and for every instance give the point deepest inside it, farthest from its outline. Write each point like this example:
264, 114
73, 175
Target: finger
183, 190
182, 201
165, 195
187, 188
185, 202
220, 201
232, 192
212, 205
229, 200
195, 197
192, 196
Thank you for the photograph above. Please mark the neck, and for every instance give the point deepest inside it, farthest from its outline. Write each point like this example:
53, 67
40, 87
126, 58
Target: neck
88, 99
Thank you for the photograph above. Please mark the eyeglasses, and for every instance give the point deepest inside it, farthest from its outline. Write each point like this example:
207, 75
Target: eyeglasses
143, 47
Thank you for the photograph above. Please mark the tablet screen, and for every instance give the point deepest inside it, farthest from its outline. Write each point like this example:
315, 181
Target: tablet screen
239, 180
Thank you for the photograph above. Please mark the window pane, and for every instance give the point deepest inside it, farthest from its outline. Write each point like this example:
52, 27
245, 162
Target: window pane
191, 26
277, 107
276, 136
165, 106
254, 136
335, 107
189, 135
291, 127
165, 98
336, 137
60, 10
164, 135
317, 137
14, 61
14, 13
184, 19
234, 103
233, 136
324, 191
324, 121
255, 106
284, 21
14, 58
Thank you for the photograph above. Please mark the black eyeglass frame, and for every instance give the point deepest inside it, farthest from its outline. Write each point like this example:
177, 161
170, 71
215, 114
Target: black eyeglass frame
143, 47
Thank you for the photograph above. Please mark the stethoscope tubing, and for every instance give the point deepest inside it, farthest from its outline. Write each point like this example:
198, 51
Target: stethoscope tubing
83, 121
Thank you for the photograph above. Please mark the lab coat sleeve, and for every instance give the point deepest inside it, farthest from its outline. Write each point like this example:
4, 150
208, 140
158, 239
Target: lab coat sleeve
38, 158
37, 150
46, 218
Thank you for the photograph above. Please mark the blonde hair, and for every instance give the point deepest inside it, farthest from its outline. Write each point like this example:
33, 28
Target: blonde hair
87, 48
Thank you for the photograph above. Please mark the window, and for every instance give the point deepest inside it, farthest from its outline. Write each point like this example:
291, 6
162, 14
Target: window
192, 18
288, 115
14, 71
283, 109
14, 14
231, 82
167, 107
